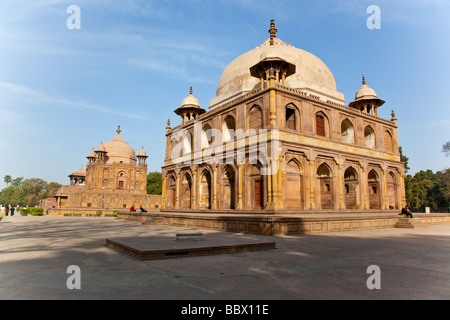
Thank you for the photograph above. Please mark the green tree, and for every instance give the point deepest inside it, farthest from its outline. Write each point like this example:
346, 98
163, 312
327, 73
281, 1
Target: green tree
7, 180
154, 183
17, 182
12, 196
428, 189
34, 189
446, 148
403, 158
51, 189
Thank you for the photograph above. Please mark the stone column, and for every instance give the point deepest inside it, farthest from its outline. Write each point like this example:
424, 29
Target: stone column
312, 198
177, 191
272, 99
240, 174
163, 196
214, 195
340, 187
194, 188
269, 185
384, 202
364, 186
279, 166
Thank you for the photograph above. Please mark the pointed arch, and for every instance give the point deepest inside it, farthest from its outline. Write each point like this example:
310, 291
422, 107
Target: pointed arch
206, 136
373, 182
228, 128
228, 187
186, 191
256, 185
292, 117
255, 118
171, 191
347, 131
294, 184
325, 185
205, 189
322, 125
369, 137
388, 141
351, 188
392, 191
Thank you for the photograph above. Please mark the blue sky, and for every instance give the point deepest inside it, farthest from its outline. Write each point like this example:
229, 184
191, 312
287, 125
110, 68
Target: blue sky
132, 62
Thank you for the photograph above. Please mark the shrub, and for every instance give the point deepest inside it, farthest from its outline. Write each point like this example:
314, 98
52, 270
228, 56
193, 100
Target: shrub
36, 211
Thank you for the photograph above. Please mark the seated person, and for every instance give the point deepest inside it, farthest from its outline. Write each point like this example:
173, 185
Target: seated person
132, 209
142, 209
407, 211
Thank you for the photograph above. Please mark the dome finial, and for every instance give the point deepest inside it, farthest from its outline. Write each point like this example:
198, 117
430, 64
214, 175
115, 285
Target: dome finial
363, 80
118, 130
272, 31
190, 90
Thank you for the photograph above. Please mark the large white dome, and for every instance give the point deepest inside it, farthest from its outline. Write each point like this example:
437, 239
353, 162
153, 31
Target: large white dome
311, 73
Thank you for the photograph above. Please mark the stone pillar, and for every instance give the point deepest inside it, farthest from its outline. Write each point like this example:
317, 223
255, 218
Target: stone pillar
163, 194
240, 174
177, 190
340, 187
312, 198
279, 197
272, 99
269, 185
364, 187
194, 189
384, 201
215, 186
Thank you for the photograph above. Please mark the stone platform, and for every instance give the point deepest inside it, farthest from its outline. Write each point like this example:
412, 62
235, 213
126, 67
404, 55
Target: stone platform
149, 248
411, 223
281, 224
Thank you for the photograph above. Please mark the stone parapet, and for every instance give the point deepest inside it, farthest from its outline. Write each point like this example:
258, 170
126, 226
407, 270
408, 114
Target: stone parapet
276, 225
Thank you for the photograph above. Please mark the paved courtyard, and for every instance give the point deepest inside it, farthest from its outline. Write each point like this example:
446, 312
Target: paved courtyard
35, 253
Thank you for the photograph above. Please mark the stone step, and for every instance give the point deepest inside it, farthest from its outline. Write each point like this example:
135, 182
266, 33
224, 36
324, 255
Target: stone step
410, 223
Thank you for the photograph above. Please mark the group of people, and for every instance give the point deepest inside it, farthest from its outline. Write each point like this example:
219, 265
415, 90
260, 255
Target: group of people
132, 209
9, 210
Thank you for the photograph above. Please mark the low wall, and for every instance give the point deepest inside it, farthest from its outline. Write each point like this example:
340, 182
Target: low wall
84, 212
275, 225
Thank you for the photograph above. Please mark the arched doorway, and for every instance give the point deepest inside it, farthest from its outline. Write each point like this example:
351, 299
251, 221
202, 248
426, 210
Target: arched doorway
171, 192
293, 185
351, 189
392, 191
228, 188
186, 187
325, 180
256, 187
374, 190
205, 190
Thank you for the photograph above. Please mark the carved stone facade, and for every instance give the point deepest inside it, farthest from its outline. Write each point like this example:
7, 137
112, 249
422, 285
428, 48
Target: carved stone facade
272, 143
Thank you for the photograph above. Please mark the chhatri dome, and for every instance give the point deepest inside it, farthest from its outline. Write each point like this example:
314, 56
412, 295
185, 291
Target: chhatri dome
365, 92
308, 72
190, 108
366, 99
